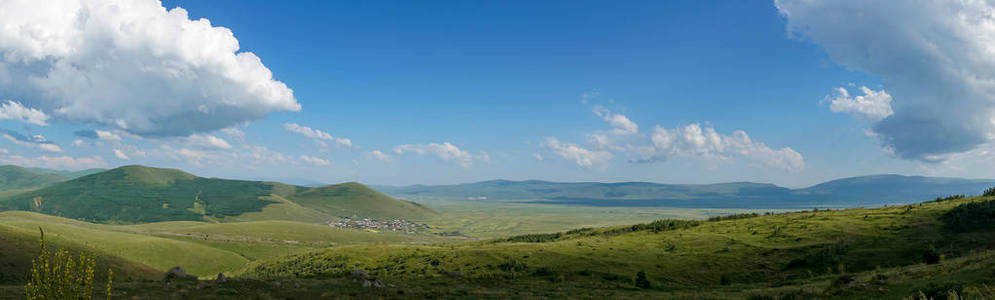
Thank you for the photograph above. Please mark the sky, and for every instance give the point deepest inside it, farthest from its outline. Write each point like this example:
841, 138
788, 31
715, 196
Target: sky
790, 92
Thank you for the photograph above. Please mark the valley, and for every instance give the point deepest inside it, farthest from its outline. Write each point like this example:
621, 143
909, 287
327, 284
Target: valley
507, 245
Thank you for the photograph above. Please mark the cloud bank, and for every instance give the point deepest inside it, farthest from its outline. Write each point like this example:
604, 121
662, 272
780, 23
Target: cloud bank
133, 65
694, 141
936, 58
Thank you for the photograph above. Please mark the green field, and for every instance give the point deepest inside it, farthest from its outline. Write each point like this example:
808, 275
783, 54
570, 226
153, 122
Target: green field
482, 219
791, 253
200, 248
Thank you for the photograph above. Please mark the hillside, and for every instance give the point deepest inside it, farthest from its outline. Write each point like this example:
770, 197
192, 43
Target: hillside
356, 200
145, 251
16, 178
873, 190
861, 253
135, 194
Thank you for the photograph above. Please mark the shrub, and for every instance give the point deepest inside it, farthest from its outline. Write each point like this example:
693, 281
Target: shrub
57, 275
989, 192
970, 216
641, 281
931, 256
733, 217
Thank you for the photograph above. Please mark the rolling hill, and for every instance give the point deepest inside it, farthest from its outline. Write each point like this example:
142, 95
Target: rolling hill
872, 190
135, 194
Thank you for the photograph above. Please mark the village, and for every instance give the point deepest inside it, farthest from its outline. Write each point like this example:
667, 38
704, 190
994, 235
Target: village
396, 225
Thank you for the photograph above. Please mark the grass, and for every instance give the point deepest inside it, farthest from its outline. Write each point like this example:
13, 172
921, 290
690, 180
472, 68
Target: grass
200, 248
757, 253
501, 219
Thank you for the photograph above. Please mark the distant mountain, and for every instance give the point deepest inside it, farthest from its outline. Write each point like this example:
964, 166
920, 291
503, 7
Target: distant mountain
14, 178
66, 173
848, 192
134, 194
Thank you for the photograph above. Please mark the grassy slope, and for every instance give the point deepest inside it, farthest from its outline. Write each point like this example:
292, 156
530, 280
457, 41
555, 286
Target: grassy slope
754, 254
200, 248
19, 246
159, 253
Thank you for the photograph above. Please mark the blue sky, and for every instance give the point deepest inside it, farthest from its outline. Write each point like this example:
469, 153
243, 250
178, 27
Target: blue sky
401, 92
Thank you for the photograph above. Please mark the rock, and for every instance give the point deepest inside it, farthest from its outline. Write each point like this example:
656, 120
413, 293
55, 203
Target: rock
455, 274
221, 278
377, 283
177, 273
359, 274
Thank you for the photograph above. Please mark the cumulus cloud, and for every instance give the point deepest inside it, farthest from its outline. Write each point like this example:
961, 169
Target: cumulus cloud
620, 123
445, 151
583, 157
694, 141
316, 134
314, 161
133, 65
11, 110
873, 105
936, 58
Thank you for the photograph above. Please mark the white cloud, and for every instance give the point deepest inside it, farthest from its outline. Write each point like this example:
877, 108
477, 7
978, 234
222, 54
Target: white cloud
873, 105
36, 143
445, 151
207, 141
537, 156
79, 143
12, 110
936, 58
583, 157
379, 155
694, 141
107, 136
120, 154
55, 162
620, 123
311, 160
316, 134
133, 65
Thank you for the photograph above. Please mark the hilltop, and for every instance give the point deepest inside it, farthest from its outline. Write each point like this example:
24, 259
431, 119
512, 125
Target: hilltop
133, 194
873, 190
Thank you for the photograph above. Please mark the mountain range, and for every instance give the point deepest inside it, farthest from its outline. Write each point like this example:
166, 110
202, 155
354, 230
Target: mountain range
859, 191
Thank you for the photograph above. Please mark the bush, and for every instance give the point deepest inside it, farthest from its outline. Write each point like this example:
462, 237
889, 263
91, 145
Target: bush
970, 216
57, 275
641, 281
989, 192
931, 256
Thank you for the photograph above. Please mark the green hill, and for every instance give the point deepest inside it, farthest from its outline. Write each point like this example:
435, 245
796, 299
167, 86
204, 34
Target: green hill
135, 194
16, 178
887, 252
356, 200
